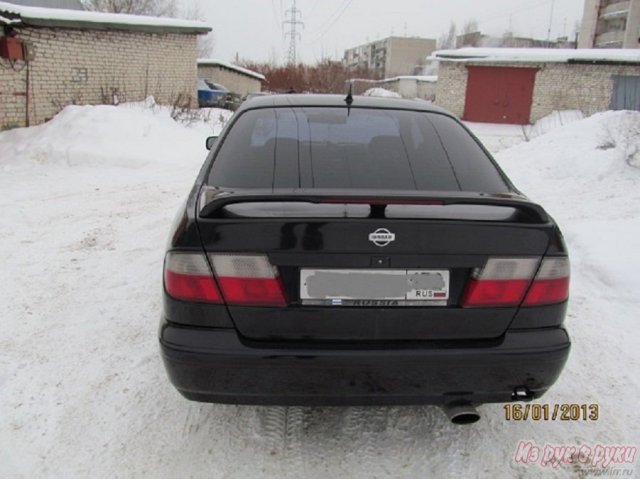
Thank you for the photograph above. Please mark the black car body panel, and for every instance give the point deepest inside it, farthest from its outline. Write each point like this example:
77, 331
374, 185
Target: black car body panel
371, 350
214, 365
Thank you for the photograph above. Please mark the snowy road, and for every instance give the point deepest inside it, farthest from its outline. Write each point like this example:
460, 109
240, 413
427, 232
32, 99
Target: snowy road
86, 205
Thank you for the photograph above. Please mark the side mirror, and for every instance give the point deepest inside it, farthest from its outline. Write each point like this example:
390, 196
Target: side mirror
211, 141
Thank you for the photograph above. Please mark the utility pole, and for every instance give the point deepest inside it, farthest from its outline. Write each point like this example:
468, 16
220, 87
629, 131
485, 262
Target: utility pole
292, 19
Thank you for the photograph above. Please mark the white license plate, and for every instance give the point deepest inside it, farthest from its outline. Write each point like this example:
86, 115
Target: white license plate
379, 286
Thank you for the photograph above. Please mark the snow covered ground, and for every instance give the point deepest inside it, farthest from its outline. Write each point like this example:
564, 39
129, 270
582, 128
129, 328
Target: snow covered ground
86, 204
497, 137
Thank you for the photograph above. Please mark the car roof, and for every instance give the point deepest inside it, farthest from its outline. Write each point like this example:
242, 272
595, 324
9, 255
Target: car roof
322, 100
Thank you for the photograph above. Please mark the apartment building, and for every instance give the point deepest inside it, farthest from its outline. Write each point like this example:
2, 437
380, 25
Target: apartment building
610, 24
391, 56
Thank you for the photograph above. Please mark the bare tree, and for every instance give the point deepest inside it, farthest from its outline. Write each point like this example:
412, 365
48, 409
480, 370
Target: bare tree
448, 40
206, 43
325, 76
471, 26
158, 8
470, 35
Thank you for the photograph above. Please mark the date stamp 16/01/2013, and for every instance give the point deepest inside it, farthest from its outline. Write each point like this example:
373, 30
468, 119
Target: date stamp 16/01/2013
565, 412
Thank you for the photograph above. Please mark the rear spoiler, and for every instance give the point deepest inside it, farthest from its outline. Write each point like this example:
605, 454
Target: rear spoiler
213, 200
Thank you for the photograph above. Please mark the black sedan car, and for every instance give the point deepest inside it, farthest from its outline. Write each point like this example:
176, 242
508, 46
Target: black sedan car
360, 251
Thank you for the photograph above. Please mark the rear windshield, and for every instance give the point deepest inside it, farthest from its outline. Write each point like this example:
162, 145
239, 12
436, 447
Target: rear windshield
360, 149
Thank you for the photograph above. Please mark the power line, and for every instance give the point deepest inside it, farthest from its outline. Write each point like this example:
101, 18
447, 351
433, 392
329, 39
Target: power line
339, 12
293, 22
328, 20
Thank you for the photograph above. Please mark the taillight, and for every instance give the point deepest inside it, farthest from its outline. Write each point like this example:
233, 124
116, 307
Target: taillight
187, 276
551, 284
502, 282
248, 280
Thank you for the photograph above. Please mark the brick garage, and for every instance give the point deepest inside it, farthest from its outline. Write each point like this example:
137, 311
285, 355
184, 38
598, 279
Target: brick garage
562, 80
93, 58
236, 79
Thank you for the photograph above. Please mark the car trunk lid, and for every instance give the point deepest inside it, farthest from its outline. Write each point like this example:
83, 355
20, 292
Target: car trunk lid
342, 238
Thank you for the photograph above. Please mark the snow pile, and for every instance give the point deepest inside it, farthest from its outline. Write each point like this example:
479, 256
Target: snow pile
553, 121
498, 136
381, 92
417, 78
130, 135
581, 167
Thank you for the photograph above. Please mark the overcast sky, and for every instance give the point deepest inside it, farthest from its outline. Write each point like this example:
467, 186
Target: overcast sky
253, 29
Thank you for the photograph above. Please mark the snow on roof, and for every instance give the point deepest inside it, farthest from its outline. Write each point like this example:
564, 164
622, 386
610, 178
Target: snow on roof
7, 21
220, 63
550, 55
68, 4
419, 78
50, 17
381, 92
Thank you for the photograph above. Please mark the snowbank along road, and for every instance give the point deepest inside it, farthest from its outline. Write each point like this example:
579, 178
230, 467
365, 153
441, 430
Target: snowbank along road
87, 201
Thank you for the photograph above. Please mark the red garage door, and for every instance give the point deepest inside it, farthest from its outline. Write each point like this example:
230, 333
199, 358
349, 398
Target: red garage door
499, 94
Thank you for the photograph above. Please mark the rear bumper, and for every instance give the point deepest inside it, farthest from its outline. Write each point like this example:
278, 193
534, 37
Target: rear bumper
213, 365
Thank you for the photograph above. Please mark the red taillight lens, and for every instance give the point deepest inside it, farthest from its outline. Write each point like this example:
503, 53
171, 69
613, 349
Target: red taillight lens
187, 277
252, 291
248, 280
551, 284
503, 282
494, 293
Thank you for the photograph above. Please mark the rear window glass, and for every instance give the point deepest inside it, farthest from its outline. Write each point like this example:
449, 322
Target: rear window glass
360, 149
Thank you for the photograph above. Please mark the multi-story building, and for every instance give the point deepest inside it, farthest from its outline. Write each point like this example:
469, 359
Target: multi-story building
610, 24
391, 56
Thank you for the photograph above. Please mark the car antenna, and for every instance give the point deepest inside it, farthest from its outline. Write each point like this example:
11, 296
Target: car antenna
349, 98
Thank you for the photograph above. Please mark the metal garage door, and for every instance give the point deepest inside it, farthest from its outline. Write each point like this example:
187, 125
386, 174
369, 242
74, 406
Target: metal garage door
626, 93
499, 94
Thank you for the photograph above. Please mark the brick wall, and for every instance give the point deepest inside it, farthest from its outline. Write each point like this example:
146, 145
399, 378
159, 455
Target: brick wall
559, 86
13, 88
91, 66
236, 82
451, 87
575, 87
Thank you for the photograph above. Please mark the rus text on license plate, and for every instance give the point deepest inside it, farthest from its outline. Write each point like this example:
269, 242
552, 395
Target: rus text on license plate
369, 287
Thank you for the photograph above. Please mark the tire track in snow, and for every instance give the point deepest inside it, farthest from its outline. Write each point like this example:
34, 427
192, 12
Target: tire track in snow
282, 429
195, 417
366, 428
294, 463
272, 422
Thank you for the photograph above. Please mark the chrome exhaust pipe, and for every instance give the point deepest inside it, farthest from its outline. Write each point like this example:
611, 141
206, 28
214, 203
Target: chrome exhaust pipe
461, 413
